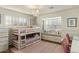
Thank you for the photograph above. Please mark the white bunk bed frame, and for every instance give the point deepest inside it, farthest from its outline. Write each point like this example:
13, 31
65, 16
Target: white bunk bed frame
23, 31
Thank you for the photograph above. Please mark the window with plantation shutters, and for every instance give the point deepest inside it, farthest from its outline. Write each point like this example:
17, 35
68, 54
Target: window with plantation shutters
50, 24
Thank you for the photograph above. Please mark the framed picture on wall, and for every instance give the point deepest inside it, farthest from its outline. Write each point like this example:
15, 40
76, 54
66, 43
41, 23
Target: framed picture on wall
71, 22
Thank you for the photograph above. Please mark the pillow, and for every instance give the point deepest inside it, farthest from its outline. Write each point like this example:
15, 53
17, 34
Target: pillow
68, 37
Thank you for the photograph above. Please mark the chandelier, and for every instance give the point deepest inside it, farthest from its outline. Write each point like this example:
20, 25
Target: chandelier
35, 9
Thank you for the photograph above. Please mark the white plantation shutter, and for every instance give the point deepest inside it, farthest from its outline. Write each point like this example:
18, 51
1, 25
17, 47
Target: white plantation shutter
53, 23
15, 20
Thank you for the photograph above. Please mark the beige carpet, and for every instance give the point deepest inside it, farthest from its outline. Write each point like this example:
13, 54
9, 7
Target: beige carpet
41, 47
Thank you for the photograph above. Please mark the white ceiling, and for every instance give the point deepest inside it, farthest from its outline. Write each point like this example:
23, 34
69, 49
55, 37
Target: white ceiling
42, 8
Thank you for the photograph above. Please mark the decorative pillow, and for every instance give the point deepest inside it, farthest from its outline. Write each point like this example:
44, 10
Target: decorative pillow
68, 37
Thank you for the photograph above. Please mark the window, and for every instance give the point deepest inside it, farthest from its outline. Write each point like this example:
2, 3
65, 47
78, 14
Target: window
21, 21
25, 21
50, 24
8, 20
15, 20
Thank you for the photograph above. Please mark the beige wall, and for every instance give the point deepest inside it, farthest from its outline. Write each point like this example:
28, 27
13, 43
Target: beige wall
74, 12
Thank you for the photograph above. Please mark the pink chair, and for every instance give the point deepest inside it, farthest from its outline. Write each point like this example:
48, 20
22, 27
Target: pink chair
66, 43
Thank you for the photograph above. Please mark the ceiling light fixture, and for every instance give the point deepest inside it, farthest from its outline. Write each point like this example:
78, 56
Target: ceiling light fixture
35, 9
32, 6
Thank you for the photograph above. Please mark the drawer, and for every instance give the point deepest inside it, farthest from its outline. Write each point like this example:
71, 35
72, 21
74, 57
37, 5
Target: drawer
51, 38
4, 34
2, 39
3, 46
3, 42
3, 30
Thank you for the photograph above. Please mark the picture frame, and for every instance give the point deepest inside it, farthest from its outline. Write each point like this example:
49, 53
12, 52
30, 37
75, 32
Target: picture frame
71, 22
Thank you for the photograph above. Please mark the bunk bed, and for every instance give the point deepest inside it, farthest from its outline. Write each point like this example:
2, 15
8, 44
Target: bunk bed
24, 36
